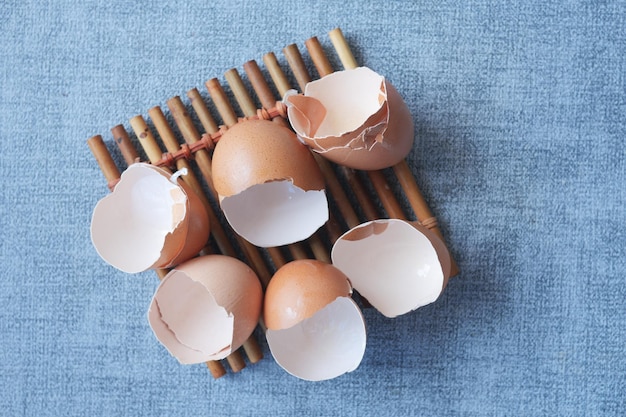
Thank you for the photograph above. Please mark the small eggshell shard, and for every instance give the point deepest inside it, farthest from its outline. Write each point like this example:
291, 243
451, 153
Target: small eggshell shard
206, 308
315, 329
397, 266
150, 220
354, 117
270, 188
324, 346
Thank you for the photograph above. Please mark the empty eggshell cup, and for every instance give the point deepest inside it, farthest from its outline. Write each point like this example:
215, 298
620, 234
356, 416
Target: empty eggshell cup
270, 188
315, 330
206, 308
396, 265
354, 117
151, 220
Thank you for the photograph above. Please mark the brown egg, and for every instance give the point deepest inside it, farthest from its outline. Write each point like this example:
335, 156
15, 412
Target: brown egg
355, 118
206, 308
270, 188
151, 220
396, 265
315, 330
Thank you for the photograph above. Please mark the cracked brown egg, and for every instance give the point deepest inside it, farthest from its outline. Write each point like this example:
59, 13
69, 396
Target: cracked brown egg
396, 265
206, 308
151, 220
354, 117
270, 188
315, 330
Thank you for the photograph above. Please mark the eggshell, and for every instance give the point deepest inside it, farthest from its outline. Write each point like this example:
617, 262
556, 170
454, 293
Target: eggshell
324, 346
206, 308
301, 288
315, 330
397, 266
149, 221
354, 117
270, 188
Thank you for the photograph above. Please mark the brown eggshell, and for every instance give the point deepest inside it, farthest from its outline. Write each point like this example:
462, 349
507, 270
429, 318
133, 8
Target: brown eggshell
396, 265
355, 118
206, 308
197, 228
270, 187
259, 151
299, 289
148, 221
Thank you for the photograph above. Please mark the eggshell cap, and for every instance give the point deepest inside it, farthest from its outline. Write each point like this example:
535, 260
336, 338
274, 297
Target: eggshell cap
324, 346
354, 117
271, 189
255, 152
148, 221
299, 289
397, 266
206, 308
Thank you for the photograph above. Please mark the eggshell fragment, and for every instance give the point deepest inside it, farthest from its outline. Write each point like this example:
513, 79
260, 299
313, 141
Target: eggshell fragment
397, 266
206, 308
150, 220
324, 346
301, 288
271, 190
354, 117
315, 330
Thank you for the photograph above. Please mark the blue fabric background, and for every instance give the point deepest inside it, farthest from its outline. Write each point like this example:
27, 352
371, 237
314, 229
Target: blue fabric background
520, 111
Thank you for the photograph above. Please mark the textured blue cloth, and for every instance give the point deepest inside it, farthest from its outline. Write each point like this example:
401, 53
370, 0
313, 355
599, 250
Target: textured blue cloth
520, 111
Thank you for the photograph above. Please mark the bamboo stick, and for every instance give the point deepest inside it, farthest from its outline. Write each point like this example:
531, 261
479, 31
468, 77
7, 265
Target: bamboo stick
104, 159
319, 58
342, 48
243, 99
297, 65
276, 73
402, 171
122, 140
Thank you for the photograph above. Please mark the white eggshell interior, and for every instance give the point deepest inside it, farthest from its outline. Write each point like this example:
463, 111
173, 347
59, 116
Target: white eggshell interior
359, 90
129, 226
276, 213
396, 270
188, 321
324, 346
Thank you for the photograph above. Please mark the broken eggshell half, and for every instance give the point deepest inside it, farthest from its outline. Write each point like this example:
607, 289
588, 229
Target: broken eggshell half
354, 117
151, 220
206, 308
315, 331
396, 265
270, 188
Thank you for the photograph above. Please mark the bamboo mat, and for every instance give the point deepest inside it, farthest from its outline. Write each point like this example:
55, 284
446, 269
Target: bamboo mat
183, 136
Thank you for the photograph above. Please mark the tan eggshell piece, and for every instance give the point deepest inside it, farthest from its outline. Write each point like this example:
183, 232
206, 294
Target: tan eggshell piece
148, 221
323, 346
301, 288
396, 265
259, 151
270, 187
206, 308
355, 118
